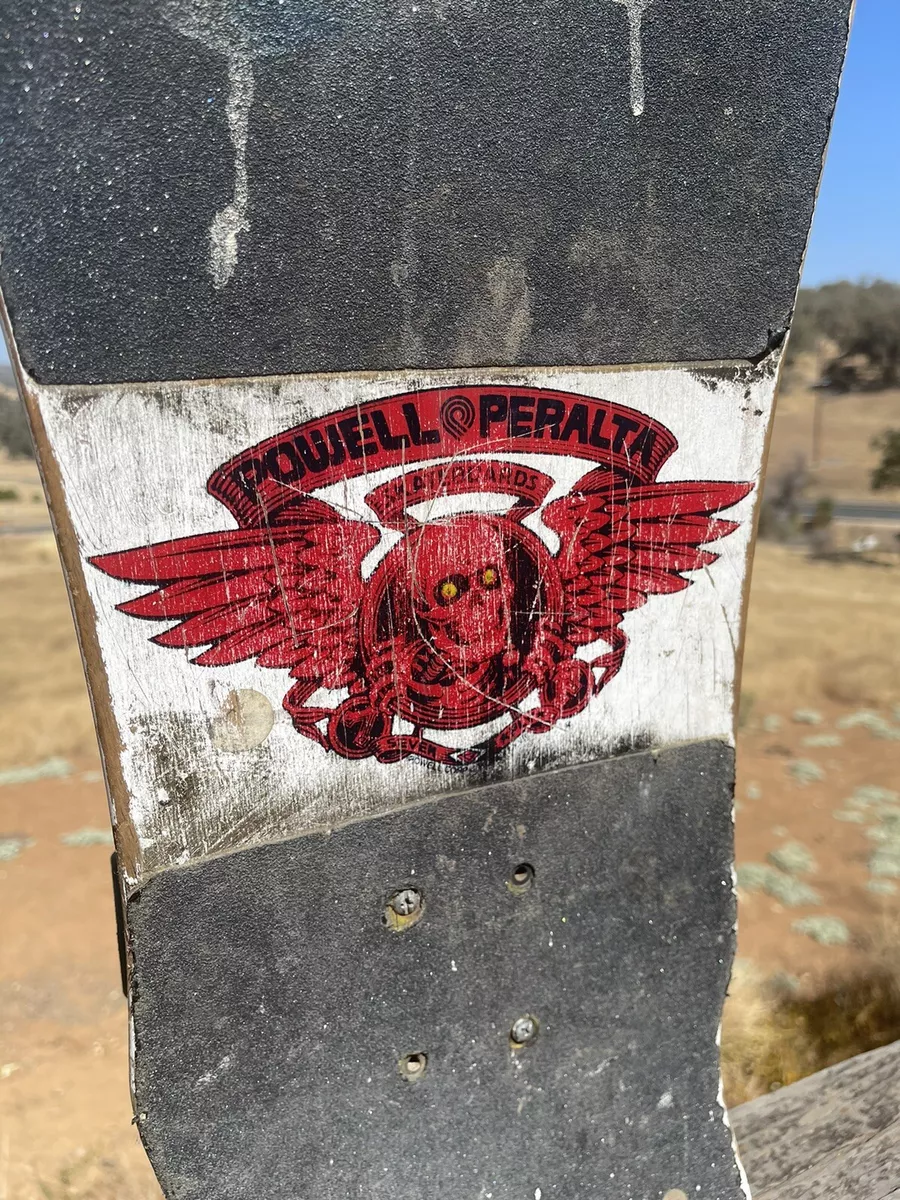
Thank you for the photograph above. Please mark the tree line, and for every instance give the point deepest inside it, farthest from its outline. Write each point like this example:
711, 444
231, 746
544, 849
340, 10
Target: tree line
857, 328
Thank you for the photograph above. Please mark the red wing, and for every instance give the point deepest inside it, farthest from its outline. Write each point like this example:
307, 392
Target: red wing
287, 595
622, 544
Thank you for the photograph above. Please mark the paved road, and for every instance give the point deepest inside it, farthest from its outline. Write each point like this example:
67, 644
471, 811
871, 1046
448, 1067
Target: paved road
24, 530
857, 510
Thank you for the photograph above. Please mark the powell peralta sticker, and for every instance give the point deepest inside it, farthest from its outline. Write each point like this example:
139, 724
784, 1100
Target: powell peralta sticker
401, 627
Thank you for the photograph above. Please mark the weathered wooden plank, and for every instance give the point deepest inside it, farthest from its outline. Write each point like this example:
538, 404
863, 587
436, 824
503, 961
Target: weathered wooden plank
834, 1135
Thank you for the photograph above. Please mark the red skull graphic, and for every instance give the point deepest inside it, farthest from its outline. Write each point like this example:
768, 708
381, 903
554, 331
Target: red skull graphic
452, 609
461, 590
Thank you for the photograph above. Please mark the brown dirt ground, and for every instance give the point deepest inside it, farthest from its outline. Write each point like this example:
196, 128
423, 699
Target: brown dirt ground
22, 505
65, 1119
821, 636
786, 811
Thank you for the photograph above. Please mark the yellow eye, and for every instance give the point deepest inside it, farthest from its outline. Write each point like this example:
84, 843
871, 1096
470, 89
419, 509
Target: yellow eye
490, 577
451, 588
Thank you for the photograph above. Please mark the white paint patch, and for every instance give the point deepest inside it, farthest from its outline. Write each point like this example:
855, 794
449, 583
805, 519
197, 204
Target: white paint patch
634, 11
232, 220
192, 790
244, 721
219, 27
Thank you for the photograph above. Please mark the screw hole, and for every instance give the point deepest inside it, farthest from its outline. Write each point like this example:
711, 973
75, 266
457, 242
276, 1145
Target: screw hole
521, 878
413, 1066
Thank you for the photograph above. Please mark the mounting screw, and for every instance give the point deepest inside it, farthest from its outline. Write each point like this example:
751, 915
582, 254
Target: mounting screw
403, 909
524, 1031
407, 902
521, 879
412, 1067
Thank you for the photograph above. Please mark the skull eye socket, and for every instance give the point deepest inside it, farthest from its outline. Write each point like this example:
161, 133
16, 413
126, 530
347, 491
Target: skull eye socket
451, 589
490, 577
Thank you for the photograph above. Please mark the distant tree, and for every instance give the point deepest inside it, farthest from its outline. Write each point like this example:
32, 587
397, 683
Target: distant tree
862, 320
779, 517
823, 513
887, 473
819, 527
15, 437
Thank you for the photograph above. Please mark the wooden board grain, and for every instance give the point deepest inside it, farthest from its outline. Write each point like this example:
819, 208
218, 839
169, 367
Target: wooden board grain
833, 1136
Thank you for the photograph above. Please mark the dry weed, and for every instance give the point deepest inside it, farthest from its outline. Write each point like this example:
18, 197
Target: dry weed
774, 1033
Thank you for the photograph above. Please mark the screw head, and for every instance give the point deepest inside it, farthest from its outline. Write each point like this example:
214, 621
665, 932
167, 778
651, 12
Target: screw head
403, 909
406, 902
523, 1032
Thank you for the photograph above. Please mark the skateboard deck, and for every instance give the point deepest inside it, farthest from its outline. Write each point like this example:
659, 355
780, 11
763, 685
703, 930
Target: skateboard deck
401, 380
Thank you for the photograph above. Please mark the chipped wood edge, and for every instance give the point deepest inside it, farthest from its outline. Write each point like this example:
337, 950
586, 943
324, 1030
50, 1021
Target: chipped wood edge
83, 615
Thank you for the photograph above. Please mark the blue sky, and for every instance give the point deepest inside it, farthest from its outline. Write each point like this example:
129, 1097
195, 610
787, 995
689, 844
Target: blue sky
856, 231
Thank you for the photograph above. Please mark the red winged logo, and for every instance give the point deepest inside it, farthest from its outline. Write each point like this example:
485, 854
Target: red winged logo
467, 618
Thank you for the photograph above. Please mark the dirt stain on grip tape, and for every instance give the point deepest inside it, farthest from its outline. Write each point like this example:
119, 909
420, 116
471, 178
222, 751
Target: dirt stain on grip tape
503, 317
635, 13
243, 34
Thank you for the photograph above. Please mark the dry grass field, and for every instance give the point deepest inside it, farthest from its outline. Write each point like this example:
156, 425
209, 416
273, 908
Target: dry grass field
845, 456
21, 496
821, 632
818, 776
43, 701
818, 838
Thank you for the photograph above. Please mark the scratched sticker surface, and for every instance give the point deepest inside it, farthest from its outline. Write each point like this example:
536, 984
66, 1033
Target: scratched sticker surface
323, 598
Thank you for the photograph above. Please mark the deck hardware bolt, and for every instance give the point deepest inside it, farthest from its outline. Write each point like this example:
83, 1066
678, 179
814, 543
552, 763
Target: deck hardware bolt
524, 1031
521, 879
412, 1067
406, 902
403, 909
